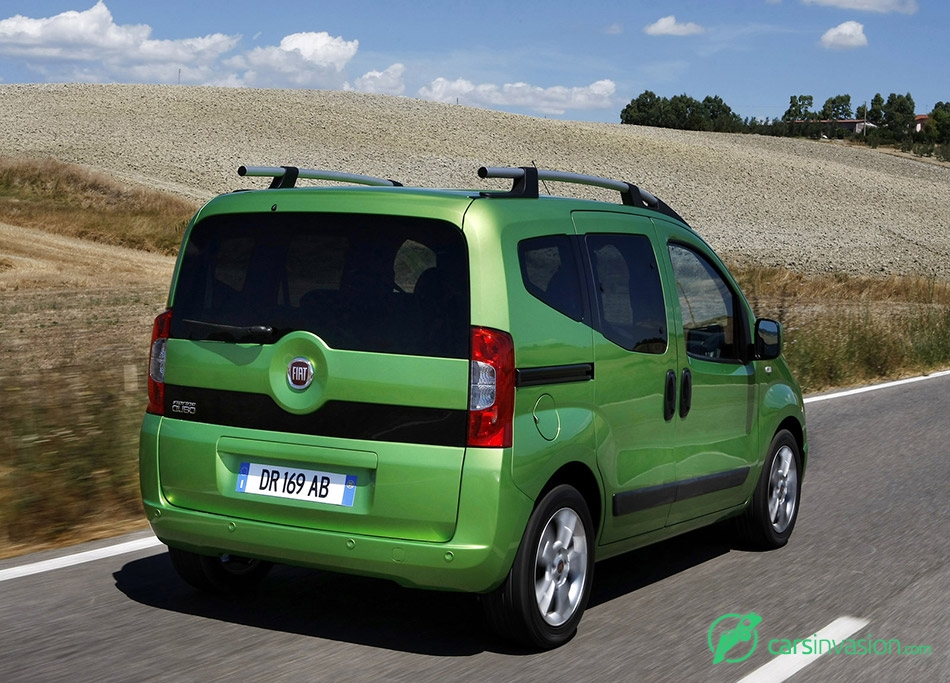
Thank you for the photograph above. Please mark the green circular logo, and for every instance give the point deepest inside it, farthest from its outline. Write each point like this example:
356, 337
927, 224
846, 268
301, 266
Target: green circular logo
728, 632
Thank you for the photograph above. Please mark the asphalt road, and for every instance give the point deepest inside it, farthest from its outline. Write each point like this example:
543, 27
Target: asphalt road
872, 542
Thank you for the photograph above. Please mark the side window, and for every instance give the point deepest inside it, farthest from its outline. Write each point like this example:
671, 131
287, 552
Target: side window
707, 306
549, 273
628, 292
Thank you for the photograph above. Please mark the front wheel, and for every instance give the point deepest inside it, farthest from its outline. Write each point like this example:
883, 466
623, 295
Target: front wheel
543, 598
770, 518
219, 574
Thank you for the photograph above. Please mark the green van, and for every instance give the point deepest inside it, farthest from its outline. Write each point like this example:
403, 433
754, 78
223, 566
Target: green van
462, 390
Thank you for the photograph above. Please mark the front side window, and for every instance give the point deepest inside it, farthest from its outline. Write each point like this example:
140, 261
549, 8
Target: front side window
707, 306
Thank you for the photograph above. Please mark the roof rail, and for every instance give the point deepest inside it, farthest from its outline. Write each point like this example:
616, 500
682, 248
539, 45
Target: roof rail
286, 176
526, 180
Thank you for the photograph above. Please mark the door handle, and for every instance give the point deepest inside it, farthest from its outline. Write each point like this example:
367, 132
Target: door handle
686, 392
669, 402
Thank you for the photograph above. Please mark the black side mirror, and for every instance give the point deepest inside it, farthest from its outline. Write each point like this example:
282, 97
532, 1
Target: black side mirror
768, 339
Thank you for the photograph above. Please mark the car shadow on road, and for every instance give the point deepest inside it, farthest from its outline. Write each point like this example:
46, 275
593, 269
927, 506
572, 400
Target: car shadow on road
381, 614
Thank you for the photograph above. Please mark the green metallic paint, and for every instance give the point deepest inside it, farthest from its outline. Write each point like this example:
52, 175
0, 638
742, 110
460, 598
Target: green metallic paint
453, 518
338, 374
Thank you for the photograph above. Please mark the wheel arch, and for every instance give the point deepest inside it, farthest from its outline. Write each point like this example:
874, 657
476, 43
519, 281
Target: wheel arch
580, 477
795, 428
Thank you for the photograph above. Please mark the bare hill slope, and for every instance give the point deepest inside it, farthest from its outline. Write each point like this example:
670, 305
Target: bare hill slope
812, 206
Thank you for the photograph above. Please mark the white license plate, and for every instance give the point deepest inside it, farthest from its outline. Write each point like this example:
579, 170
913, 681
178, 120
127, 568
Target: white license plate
297, 484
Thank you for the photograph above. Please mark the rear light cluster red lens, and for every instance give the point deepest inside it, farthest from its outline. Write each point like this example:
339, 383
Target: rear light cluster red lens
492, 389
156, 364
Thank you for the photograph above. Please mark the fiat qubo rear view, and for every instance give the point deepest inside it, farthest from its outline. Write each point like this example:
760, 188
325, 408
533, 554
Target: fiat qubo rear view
462, 390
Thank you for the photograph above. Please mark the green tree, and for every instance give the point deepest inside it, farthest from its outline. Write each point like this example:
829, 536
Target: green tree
876, 112
939, 123
720, 116
899, 115
837, 108
798, 108
685, 113
647, 109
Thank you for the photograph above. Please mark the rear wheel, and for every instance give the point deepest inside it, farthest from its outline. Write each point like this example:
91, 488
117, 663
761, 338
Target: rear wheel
219, 574
770, 518
543, 598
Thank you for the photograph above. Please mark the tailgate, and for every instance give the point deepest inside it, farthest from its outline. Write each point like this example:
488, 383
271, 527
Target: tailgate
239, 440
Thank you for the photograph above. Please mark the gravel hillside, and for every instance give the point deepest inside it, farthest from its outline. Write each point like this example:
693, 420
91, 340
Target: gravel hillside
812, 206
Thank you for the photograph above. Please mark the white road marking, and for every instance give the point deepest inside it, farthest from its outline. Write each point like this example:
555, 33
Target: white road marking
78, 558
887, 385
784, 667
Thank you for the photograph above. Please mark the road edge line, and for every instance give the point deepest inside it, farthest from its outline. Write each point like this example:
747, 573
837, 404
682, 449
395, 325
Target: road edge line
783, 667
78, 558
875, 387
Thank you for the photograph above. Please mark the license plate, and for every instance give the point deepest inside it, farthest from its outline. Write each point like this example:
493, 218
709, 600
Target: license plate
297, 484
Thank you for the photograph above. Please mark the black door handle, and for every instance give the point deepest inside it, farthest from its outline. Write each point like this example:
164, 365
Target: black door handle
669, 403
686, 392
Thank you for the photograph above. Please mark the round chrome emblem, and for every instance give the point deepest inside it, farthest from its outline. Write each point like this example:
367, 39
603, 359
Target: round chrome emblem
300, 373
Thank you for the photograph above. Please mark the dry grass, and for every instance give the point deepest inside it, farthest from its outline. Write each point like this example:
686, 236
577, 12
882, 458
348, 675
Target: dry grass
75, 320
845, 330
69, 200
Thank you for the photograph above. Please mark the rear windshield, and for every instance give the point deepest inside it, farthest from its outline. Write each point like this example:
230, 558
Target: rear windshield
384, 284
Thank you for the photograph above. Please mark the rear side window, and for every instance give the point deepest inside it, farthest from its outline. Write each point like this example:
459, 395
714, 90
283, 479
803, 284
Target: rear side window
549, 272
628, 292
383, 284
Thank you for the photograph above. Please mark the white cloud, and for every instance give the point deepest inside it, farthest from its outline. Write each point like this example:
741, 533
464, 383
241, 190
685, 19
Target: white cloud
388, 82
90, 46
614, 29
668, 26
301, 60
883, 6
554, 100
844, 36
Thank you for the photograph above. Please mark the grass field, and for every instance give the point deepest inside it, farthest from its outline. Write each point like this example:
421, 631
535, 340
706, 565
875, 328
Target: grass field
86, 269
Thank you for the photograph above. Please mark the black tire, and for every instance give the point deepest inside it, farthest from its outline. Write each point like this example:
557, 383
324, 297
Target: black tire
229, 574
770, 518
544, 595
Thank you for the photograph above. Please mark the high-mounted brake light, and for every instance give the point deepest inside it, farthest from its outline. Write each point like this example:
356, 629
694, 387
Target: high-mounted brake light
156, 364
491, 404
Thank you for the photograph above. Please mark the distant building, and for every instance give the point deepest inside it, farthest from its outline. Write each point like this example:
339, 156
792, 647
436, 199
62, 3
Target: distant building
856, 126
920, 121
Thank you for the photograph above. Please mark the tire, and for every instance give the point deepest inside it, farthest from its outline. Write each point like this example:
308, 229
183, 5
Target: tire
229, 574
544, 595
770, 518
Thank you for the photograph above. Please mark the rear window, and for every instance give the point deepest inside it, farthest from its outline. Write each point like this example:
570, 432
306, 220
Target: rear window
383, 284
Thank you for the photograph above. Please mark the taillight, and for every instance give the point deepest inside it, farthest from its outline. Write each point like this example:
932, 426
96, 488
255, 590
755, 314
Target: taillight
156, 364
491, 403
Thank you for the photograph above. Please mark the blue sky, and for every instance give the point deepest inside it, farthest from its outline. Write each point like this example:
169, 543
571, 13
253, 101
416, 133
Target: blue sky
571, 59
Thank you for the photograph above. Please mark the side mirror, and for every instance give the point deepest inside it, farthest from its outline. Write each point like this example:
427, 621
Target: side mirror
768, 339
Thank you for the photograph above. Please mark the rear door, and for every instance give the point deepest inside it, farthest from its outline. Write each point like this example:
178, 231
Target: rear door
633, 361
317, 372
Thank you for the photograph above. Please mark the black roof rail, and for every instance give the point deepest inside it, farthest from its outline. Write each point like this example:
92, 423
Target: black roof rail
526, 180
286, 176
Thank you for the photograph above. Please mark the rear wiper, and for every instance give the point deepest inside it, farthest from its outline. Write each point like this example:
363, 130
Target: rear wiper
255, 334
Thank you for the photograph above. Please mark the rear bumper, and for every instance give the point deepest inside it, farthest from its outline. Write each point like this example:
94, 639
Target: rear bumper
491, 520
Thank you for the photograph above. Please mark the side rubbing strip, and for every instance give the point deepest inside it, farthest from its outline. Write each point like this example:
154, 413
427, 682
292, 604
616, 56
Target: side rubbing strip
554, 374
629, 502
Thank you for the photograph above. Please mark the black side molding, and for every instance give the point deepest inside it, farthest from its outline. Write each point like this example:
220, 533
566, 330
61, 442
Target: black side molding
637, 500
554, 374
